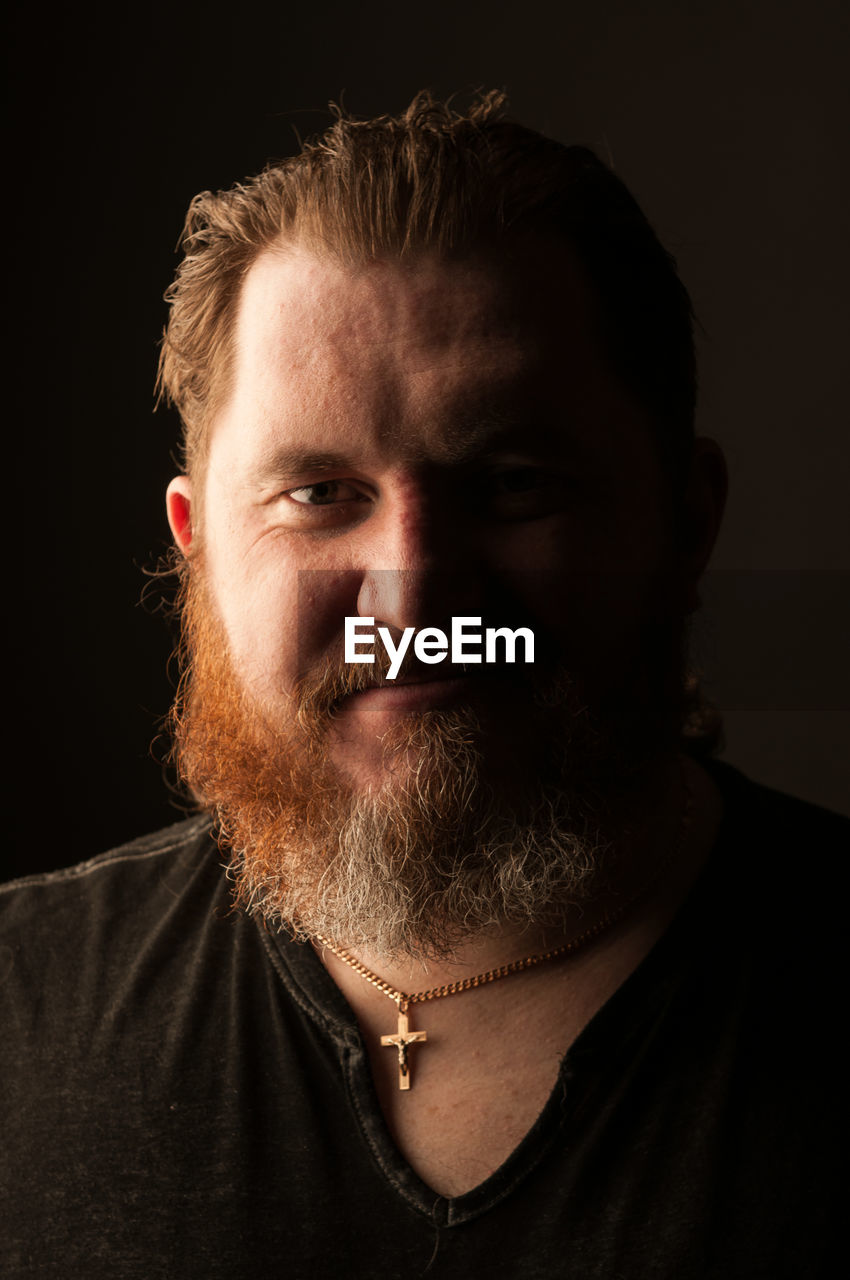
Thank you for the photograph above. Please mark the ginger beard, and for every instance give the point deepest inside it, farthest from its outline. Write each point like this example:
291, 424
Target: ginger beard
447, 845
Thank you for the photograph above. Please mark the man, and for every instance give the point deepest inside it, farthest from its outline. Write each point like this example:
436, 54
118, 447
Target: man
513, 983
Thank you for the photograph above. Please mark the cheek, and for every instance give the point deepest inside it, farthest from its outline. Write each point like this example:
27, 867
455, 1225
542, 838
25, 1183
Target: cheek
597, 581
259, 613
323, 598
281, 621
255, 597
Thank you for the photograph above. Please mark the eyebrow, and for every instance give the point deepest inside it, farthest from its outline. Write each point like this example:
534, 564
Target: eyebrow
472, 440
284, 462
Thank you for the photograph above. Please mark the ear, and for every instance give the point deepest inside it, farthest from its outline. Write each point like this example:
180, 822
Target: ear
701, 513
178, 505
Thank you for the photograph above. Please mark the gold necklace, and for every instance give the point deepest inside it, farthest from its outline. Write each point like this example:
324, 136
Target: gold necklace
404, 1037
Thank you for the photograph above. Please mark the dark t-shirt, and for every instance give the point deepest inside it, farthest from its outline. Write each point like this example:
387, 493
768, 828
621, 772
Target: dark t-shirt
187, 1095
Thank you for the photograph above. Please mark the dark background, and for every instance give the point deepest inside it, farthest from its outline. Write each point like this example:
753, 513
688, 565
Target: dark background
727, 119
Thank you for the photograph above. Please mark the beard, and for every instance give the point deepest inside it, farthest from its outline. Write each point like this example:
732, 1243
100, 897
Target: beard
456, 836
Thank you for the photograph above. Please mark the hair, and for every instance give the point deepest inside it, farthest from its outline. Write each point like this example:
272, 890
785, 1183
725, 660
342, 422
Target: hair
434, 179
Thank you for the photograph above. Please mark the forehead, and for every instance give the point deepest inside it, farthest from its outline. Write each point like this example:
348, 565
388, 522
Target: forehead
424, 304
417, 357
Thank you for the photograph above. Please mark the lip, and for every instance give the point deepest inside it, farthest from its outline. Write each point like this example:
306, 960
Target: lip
415, 693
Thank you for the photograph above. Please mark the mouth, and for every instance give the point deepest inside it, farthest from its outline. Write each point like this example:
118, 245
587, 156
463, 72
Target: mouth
424, 689
416, 692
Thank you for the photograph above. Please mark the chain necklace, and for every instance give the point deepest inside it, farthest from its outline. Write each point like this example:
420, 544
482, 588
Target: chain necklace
404, 1037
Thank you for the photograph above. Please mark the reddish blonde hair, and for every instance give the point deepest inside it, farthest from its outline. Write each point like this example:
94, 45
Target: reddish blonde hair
430, 178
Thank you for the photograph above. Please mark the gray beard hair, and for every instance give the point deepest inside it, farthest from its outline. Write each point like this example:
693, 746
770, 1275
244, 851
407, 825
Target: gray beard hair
454, 839
427, 859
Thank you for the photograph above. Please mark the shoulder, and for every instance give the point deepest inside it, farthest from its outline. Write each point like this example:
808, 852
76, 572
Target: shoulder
67, 932
140, 862
775, 887
176, 836
772, 823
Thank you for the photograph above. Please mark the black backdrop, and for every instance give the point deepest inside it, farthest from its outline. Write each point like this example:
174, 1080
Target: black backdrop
728, 120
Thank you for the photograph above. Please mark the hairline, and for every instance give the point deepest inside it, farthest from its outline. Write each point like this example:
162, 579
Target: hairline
287, 244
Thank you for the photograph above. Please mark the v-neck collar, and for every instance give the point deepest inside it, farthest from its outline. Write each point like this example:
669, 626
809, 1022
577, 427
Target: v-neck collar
589, 1070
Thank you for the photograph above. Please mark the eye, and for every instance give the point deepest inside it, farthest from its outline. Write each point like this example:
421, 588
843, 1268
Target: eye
325, 493
516, 493
518, 480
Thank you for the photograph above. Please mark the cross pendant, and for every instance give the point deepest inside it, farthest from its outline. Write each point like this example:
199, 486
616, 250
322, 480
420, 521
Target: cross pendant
400, 1041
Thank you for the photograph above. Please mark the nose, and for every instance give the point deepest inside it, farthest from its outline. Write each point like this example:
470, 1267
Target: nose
422, 569
424, 597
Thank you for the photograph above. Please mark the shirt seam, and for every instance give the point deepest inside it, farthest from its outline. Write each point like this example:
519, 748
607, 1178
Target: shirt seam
301, 997
103, 860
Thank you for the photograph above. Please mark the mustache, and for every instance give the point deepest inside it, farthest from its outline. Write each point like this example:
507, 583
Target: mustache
320, 694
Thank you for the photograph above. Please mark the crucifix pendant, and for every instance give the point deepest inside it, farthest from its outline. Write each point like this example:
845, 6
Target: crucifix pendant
403, 1038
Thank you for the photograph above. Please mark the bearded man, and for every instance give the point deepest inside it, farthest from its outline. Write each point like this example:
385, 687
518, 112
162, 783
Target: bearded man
515, 980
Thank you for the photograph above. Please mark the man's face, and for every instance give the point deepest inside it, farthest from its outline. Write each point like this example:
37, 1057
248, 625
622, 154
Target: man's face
412, 442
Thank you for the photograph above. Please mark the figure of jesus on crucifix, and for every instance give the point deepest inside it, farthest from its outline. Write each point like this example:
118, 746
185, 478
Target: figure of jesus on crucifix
402, 1038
